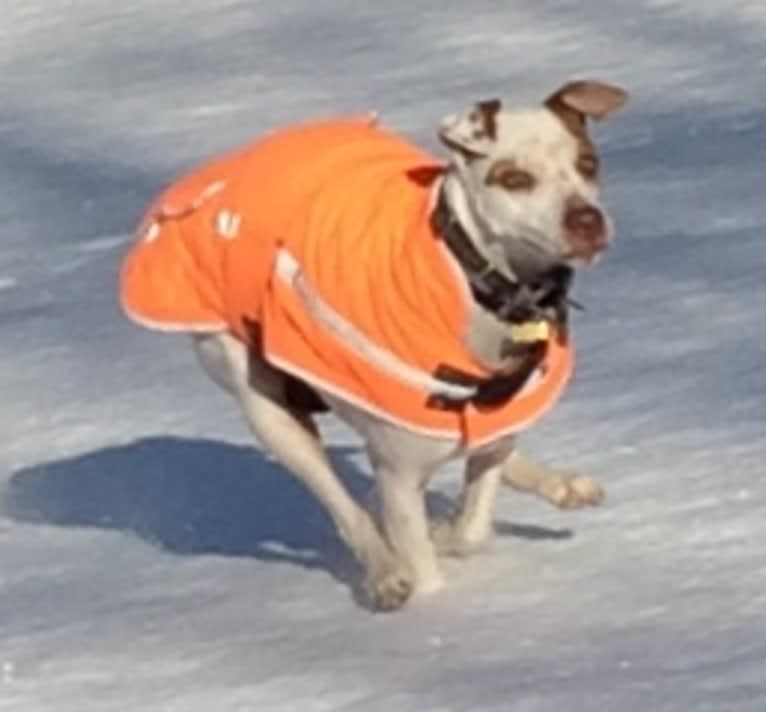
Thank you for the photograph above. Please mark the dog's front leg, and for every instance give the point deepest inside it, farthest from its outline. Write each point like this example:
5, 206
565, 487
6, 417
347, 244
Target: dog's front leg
469, 529
562, 489
405, 523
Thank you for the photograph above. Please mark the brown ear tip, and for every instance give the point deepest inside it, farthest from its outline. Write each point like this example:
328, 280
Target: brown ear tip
492, 105
589, 97
592, 82
620, 94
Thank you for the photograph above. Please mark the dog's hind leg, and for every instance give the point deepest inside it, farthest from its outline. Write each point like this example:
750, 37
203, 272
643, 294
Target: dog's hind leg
562, 489
259, 391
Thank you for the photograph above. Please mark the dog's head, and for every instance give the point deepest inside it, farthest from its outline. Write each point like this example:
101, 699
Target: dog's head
528, 179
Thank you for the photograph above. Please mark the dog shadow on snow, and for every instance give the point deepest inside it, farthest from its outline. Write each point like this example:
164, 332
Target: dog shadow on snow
194, 497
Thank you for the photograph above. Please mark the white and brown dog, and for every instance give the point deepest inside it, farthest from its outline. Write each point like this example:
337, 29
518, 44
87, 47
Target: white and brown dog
513, 211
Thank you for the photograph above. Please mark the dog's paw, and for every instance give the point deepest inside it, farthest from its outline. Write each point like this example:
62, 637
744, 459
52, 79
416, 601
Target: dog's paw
390, 590
575, 492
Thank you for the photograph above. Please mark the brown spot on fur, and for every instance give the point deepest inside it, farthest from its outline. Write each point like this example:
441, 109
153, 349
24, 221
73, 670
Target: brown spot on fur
587, 164
507, 174
574, 121
457, 147
571, 118
577, 101
488, 111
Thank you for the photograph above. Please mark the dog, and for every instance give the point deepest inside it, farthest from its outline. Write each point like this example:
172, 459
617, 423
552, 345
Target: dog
334, 266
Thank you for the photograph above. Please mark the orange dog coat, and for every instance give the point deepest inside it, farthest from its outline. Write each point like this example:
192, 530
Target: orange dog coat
320, 234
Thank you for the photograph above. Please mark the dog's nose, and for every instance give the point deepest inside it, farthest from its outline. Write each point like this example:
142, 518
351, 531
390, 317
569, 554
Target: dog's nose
585, 229
586, 220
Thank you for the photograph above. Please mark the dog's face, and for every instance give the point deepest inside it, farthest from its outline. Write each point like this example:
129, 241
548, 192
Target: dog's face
531, 176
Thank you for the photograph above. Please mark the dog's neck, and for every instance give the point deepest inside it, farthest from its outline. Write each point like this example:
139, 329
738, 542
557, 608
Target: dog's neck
500, 300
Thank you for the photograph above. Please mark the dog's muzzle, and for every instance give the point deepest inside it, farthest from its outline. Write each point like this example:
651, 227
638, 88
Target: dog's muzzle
541, 290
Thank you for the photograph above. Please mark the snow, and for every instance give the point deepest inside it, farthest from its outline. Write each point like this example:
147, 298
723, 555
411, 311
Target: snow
152, 558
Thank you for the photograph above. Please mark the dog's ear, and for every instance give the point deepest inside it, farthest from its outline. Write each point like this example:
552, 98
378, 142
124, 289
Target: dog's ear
586, 98
473, 132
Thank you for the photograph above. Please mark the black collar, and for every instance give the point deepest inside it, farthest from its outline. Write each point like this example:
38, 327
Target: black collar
513, 302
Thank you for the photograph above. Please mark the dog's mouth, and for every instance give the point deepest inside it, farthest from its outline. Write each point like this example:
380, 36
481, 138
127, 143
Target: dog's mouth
580, 261
583, 252
531, 257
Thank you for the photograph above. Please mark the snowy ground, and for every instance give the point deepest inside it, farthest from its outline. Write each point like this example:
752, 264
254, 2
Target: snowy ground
152, 559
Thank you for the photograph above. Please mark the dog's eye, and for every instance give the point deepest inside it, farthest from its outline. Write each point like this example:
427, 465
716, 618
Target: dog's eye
507, 175
517, 180
587, 166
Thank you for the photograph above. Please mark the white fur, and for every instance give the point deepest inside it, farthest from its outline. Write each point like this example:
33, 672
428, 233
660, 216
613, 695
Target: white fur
400, 556
519, 226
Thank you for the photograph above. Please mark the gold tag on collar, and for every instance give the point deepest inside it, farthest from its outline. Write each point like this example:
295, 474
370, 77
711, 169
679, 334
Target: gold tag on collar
530, 332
